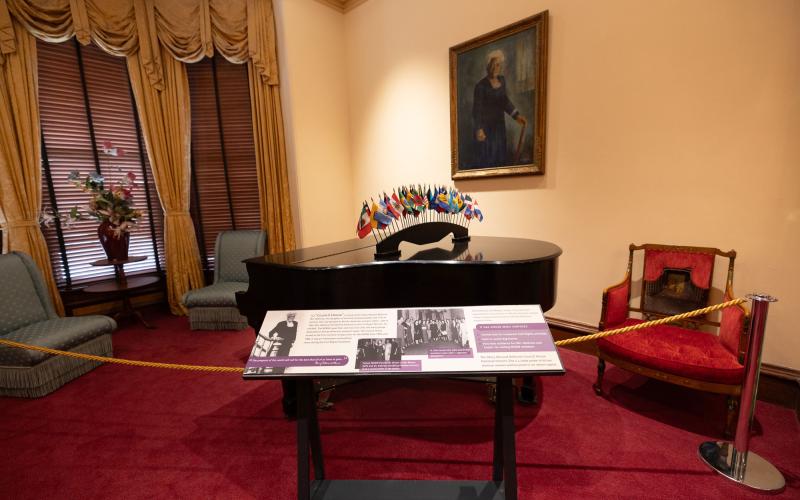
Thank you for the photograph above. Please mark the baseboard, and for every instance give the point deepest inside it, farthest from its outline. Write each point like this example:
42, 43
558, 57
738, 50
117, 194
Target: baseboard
572, 326
778, 384
781, 372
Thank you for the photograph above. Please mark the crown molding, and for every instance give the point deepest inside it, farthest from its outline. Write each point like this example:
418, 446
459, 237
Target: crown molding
342, 6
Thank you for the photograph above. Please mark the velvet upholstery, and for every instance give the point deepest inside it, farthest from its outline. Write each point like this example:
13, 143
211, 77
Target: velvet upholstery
700, 265
617, 303
731, 326
679, 351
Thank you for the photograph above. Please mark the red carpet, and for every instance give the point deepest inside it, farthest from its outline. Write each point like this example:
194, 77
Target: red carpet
126, 432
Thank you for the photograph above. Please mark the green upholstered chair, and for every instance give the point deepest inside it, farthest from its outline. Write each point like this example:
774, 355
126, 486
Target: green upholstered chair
27, 316
214, 307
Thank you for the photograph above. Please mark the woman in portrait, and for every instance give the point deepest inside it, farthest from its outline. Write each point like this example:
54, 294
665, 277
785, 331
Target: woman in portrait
490, 103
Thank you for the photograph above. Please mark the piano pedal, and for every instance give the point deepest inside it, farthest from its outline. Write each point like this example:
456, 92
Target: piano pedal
323, 400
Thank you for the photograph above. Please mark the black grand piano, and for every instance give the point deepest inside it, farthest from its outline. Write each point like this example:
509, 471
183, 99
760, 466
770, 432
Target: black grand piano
347, 275
482, 271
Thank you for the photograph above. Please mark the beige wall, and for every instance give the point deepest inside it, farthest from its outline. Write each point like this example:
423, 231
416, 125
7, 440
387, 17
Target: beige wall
667, 122
314, 95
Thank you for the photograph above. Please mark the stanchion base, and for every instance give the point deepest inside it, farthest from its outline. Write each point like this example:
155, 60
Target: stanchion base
759, 474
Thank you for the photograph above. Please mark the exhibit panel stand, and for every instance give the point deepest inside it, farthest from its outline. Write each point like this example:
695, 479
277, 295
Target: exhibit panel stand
502, 486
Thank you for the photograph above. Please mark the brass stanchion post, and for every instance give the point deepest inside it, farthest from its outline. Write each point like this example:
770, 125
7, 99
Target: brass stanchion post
734, 460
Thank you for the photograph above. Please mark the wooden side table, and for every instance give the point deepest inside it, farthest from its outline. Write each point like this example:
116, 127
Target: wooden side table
123, 285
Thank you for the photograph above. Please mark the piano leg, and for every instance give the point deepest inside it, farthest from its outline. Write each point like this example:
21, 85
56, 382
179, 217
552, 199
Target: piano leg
527, 392
289, 400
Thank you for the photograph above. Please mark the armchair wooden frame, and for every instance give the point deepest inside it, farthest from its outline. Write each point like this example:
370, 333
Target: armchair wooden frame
733, 391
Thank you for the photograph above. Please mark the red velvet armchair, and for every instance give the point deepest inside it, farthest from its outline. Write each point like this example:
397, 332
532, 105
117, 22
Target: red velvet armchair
676, 279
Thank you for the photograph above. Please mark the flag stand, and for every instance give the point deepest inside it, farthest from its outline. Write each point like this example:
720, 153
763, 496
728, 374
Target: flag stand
420, 234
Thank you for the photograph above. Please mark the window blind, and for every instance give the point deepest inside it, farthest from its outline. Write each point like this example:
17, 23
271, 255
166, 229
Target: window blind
224, 181
84, 101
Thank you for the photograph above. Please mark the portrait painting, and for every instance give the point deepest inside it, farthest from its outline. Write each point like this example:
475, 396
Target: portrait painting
498, 92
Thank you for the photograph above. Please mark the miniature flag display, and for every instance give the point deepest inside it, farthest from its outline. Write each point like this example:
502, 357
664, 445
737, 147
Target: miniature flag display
412, 205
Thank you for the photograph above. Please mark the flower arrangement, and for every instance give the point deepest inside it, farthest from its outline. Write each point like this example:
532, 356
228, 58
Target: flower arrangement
111, 205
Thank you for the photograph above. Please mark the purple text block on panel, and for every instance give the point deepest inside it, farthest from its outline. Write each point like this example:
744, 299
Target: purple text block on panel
406, 365
514, 337
286, 361
449, 352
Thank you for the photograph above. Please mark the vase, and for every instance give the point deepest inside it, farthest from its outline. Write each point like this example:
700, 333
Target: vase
116, 247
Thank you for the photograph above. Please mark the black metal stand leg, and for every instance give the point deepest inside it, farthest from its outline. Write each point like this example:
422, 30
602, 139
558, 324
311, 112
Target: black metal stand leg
506, 404
316, 441
497, 460
304, 403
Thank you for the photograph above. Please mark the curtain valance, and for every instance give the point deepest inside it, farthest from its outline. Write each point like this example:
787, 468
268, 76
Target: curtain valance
189, 30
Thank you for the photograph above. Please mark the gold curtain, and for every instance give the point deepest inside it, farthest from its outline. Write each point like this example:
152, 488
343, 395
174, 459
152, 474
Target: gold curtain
166, 125
153, 34
273, 183
20, 167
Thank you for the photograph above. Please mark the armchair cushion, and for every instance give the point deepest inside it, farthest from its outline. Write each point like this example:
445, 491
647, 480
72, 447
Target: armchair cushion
679, 351
221, 294
58, 333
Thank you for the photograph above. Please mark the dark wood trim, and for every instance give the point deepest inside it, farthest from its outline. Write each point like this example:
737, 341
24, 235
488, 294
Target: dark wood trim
62, 248
222, 142
110, 307
780, 372
78, 303
778, 384
197, 215
572, 326
87, 107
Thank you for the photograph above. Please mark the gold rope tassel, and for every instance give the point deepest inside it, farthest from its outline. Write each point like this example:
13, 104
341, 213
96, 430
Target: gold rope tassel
647, 324
233, 369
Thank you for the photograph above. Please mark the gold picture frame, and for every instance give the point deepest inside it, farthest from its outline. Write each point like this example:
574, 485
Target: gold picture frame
498, 101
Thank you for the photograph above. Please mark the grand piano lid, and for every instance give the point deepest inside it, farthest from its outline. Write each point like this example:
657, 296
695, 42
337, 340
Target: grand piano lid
480, 249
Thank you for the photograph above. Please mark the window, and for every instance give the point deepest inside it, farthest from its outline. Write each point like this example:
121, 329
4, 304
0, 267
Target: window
85, 100
224, 180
